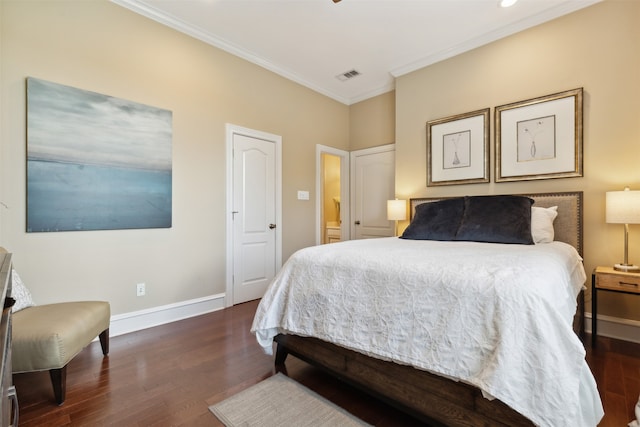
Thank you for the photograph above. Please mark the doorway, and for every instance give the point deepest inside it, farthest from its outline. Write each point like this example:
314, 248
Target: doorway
332, 194
254, 212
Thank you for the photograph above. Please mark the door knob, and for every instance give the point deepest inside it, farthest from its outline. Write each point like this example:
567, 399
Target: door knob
357, 222
272, 226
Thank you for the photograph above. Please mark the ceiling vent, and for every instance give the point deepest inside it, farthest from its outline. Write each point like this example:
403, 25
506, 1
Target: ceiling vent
348, 75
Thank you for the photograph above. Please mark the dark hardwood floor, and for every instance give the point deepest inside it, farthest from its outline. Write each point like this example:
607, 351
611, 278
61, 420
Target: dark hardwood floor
170, 374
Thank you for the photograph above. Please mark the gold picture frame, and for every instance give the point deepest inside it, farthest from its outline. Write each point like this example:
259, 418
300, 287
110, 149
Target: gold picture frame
458, 149
539, 138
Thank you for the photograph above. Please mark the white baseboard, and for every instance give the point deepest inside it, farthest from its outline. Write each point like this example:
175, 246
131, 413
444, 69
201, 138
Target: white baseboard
143, 319
615, 327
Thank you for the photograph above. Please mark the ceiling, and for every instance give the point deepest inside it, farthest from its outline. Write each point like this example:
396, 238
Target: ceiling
313, 41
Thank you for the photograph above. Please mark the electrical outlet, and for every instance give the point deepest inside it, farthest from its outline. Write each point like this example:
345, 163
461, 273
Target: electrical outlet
140, 289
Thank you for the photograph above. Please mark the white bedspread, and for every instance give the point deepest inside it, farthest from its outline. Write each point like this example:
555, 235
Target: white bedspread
495, 316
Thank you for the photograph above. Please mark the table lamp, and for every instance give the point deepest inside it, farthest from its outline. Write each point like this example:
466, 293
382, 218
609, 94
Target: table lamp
623, 207
396, 211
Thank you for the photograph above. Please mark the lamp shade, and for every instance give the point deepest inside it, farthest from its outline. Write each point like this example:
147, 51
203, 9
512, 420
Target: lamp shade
623, 207
396, 210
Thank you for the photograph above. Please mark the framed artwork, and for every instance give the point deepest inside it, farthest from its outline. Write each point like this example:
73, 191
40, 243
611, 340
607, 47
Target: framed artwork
458, 149
540, 138
95, 162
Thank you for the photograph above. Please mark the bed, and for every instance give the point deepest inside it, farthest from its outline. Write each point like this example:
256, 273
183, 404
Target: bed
493, 341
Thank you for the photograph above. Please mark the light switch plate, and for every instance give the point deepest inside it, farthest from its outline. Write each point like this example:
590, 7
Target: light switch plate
303, 195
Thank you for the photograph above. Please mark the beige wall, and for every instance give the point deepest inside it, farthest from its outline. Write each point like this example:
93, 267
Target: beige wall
372, 122
102, 47
597, 48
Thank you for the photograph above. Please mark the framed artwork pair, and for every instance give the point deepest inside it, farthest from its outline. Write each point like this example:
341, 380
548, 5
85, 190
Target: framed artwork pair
539, 138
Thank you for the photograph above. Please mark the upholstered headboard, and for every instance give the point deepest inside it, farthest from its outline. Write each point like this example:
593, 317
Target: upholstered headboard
567, 225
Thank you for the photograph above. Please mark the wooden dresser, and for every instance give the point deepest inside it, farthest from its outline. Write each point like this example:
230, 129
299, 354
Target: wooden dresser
9, 401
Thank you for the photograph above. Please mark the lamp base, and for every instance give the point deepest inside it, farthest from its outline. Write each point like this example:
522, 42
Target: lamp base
626, 267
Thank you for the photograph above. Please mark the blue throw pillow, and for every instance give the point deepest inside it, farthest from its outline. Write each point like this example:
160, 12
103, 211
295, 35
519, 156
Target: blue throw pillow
496, 219
436, 220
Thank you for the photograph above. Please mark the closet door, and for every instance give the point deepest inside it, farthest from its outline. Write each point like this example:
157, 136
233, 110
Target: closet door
372, 184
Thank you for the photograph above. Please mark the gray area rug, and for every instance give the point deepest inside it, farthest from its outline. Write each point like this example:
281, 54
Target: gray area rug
279, 401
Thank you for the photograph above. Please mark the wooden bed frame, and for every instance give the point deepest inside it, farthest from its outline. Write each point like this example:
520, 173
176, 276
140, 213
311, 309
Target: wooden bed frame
432, 398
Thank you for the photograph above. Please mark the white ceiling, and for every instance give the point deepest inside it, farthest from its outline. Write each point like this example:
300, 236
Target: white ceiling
313, 41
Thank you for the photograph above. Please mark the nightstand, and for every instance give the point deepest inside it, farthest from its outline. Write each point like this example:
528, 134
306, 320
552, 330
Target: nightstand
610, 280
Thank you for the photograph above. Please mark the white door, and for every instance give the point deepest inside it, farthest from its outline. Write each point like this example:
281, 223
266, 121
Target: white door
255, 213
372, 184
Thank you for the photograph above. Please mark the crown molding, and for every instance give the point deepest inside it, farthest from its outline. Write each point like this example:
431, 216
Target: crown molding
202, 35
532, 21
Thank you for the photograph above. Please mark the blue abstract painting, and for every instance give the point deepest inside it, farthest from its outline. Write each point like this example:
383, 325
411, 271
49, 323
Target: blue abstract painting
95, 162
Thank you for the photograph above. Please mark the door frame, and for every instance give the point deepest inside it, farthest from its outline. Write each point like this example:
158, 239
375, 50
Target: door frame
232, 130
344, 190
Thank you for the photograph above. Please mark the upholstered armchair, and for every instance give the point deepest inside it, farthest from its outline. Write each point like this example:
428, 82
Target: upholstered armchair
46, 337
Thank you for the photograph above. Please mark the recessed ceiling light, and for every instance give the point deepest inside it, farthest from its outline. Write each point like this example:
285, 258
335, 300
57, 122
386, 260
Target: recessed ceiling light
507, 3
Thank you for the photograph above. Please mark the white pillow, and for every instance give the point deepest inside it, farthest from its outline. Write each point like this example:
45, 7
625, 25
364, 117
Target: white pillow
20, 293
542, 224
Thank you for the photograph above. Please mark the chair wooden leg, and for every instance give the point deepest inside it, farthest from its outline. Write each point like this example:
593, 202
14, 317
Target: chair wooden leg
281, 355
59, 382
104, 341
